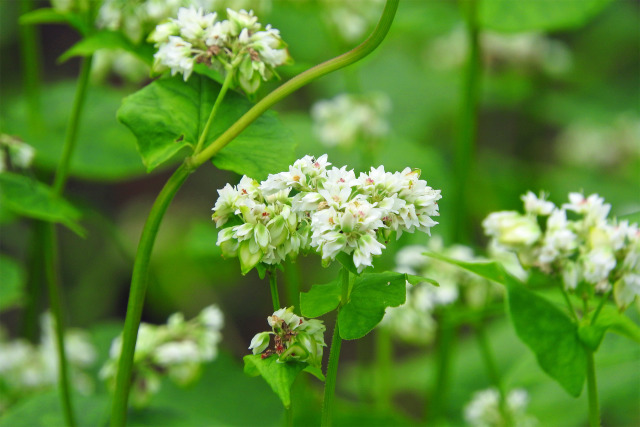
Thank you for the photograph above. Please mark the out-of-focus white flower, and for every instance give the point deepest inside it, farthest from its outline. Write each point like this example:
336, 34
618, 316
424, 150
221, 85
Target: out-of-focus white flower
352, 19
349, 118
19, 154
177, 349
512, 229
296, 338
484, 409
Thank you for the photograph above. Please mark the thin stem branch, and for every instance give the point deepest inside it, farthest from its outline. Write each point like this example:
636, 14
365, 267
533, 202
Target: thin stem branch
273, 284
572, 310
292, 285
603, 301
138, 291
384, 355
592, 390
71, 137
55, 301
214, 110
334, 357
465, 145
445, 345
354, 55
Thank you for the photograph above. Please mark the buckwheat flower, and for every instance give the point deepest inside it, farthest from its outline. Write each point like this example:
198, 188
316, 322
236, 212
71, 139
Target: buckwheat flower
18, 153
295, 338
592, 208
512, 229
176, 54
537, 205
484, 409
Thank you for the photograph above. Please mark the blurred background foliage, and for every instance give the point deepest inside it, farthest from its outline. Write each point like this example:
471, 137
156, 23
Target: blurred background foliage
558, 112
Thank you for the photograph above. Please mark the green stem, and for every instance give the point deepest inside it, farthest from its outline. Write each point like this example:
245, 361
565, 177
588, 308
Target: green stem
71, 136
292, 284
273, 283
354, 55
30, 53
214, 110
137, 293
50, 252
384, 354
603, 301
35, 282
572, 311
592, 389
446, 334
334, 356
466, 140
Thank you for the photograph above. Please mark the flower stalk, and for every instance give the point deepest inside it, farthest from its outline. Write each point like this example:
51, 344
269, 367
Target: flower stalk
592, 391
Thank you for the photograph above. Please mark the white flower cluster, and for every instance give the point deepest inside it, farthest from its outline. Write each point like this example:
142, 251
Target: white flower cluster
413, 321
177, 349
526, 50
330, 210
15, 153
609, 147
26, 368
347, 118
577, 241
484, 409
295, 338
238, 45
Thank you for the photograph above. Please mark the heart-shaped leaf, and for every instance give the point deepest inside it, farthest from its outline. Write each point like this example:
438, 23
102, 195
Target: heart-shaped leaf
280, 376
320, 299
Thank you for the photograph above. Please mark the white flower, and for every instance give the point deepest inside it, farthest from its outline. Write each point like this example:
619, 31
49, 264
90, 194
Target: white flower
597, 264
484, 409
260, 342
176, 352
512, 229
537, 206
212, 317
176, 54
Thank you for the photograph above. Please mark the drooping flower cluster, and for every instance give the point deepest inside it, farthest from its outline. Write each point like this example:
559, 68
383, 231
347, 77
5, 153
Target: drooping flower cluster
329, 210
414, 321
15, 153
348, 118
576, 241
524, 50
294, 338
177, 349
26, 368
484, 409
238, 45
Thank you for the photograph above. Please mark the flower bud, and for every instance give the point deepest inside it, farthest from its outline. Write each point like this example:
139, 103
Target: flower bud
260, 342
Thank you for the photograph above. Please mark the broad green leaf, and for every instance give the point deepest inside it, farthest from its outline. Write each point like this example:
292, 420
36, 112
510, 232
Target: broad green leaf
371, 294
52, 16
31, 198
105, 150
315, 371
168, 116
280, 376
536, 15
44, 410
609, 318
321, 299
543, 327
107, 39
12, 288
346, 261
415, 280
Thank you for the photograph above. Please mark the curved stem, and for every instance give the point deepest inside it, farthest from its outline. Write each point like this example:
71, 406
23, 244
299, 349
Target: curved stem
137, 293
273, 284
71, 137
49, 247
334, 356
214, 110
592, 390
357, 53
466, 140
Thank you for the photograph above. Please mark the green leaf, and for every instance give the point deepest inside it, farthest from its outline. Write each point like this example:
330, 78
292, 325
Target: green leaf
545, 329
106, 150
609, 318
168, 116
320, 299
416, 280
346, 261
107, 39
371, 294
315, 371
52, 16
44, 409
12, 289
280, 376
31, 198
535, 15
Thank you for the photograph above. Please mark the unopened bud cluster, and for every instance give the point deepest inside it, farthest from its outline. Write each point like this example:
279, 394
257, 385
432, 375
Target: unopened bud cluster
328, 210
15, 153
238, 45
294, 338
348, 119
26, 369
177, 349
576, 241
484, 409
